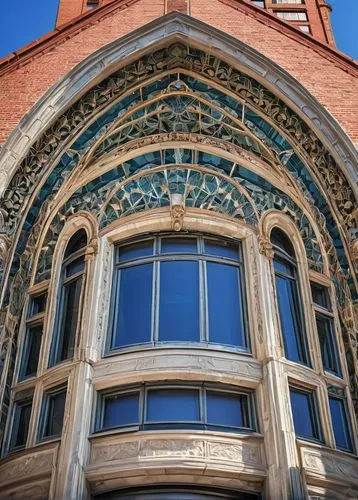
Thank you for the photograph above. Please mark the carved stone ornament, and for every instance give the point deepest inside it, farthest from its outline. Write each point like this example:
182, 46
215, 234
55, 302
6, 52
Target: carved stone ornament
177, 211
265, 247
354, 252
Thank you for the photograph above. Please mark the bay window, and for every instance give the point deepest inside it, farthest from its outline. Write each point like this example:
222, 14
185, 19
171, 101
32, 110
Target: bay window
179, 289
176, 406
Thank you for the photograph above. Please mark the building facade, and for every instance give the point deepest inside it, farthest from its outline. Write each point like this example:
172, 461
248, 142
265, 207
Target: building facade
179, 255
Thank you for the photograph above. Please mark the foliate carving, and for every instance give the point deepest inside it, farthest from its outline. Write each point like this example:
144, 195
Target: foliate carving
330, 464
246, 88
177, 214
354, 252
235, 451
265, 247
35, 464
171, 448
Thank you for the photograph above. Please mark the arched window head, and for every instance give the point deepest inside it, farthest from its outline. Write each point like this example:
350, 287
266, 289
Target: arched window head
289, 298
282, 243
69, 299
77, 242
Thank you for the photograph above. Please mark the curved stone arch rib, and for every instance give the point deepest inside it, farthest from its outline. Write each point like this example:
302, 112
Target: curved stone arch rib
262, 196
187, 24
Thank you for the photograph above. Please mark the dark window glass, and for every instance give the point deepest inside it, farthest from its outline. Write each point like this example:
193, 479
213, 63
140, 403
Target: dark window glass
77, 266
230, 410
341, 428
290, 321
70, 303
121, 410
225, 305
177, 493
320, 296
134, 306
135, 251
179, 301
76, 243
54, 412
221, 249
304, 415
32, 351
38, 304
182, 245
22, 415
328, 344
282, 242
173, 405
64, 339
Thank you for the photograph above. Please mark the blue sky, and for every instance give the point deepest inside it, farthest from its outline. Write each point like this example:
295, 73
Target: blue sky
22, 21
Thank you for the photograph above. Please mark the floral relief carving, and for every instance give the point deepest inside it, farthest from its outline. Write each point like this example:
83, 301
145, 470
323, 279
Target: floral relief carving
171, 447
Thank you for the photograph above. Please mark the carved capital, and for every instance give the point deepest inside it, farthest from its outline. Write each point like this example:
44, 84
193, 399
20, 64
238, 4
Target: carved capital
265, 247
92, 249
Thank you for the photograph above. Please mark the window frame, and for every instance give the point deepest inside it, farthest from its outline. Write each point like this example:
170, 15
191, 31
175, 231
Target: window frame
156, 258
59, 329
338, 394
301, 327
313, 407
21, 399
326, 313
33, 320
201, 424
44, 412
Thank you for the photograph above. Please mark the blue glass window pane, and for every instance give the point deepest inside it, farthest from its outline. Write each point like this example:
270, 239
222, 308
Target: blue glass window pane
134, 306
121, 410
226, 409
340, 424
289, 318
225, 305
328, 344
77, 266
281, 266
179, 301
135, 251
184, 245
301, 406
34, 336
222, 249
173, 405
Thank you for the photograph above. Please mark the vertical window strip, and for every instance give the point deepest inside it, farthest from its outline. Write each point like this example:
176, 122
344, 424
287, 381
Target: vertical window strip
68, 314
340, 418
289, 299
326, 329
33, 336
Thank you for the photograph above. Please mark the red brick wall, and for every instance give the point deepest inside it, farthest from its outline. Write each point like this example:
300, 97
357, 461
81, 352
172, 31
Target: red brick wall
69, 9
331, 85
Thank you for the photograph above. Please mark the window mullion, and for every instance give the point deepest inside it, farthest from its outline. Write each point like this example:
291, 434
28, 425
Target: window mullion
155, 302
203, 297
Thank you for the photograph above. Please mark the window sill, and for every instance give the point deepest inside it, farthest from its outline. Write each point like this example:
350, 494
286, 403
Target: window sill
178, 345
